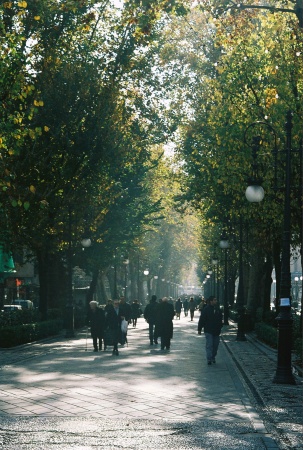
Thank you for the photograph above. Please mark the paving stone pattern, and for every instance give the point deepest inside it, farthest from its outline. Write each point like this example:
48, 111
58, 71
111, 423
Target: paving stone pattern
279, 405
60, 392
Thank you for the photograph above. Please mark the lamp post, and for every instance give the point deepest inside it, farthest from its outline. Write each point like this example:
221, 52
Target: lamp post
240, 296
284, 319
215, 262
296, 280
85, 242
224, 244
125, 262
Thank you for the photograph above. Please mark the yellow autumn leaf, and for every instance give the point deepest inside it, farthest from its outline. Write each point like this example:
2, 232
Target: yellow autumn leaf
32, 189
46, 128
37, 17
41, 103
22, 4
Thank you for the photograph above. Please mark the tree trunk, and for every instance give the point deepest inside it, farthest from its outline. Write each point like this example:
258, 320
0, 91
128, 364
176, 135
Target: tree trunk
92, 287
255, 295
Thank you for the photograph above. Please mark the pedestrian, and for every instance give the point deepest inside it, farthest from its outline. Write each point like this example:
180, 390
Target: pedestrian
166, 314
136, 312
211, 320
151, 315
126, 312
178, 308
113, 320
96, 319
192, 307
185, 307
109, 303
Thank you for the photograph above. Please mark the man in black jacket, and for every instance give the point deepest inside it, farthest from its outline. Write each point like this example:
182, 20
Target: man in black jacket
151, 315
211, 320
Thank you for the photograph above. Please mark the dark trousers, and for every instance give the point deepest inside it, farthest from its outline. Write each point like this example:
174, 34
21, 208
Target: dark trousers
95, 343
165, 340
152, 333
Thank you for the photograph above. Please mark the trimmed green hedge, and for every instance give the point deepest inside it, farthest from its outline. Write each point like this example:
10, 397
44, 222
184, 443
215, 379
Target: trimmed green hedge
10, 336
267, 334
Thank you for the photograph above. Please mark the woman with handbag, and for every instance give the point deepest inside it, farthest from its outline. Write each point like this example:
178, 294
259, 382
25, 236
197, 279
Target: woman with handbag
113, 321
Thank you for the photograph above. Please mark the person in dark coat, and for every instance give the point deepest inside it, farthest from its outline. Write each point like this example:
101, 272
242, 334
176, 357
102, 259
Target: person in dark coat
150, 315
113, 320
166, 314
192, 307
185, 307
211, 320
126, 312
97, 324
136, 312
178, 308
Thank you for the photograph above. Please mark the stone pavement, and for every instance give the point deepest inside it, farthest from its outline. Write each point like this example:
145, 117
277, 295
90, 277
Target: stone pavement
58, 394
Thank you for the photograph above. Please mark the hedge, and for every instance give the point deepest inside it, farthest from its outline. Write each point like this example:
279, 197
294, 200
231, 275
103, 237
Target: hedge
269, 335
10, 336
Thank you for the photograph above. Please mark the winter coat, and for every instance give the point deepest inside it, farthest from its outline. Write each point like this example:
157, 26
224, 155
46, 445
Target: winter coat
178, 306
211, 320
97, 322
164, 321
126, 311
191, 305
136, 311
113, 323
150, 312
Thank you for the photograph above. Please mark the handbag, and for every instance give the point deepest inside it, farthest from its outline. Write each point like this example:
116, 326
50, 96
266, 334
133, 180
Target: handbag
124, 326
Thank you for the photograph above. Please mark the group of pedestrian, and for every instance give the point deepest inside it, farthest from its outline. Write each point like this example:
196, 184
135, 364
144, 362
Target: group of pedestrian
109, 325
159, 316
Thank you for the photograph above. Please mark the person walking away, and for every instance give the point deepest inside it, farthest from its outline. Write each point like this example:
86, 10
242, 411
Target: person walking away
126, 312
151, 315
211, 320
114, 319
166, 314
192, 307
136, 312
178, 308
97, 324
185, 307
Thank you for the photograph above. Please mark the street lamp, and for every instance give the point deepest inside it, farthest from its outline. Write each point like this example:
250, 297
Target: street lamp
224, 245
125, 262
215, 262
240, 296
284, 370
70, 321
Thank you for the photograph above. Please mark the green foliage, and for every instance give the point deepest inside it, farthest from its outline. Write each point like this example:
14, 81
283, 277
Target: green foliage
10, 336
18, 317
267, 334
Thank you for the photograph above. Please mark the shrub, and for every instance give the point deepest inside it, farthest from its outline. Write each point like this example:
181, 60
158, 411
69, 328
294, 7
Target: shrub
267, 334
11, 336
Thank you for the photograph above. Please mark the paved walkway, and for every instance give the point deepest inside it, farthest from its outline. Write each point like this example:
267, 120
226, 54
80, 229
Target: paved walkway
154, 398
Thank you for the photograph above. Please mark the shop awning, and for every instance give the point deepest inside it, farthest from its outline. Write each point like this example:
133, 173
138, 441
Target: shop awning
6, 262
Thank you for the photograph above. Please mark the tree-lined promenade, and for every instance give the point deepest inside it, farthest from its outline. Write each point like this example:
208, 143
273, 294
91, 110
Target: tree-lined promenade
92, 96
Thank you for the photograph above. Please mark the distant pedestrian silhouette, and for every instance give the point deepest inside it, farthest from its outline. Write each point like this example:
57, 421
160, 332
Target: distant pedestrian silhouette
96, 318
192, 307
211, 320
151, 315
166, 314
